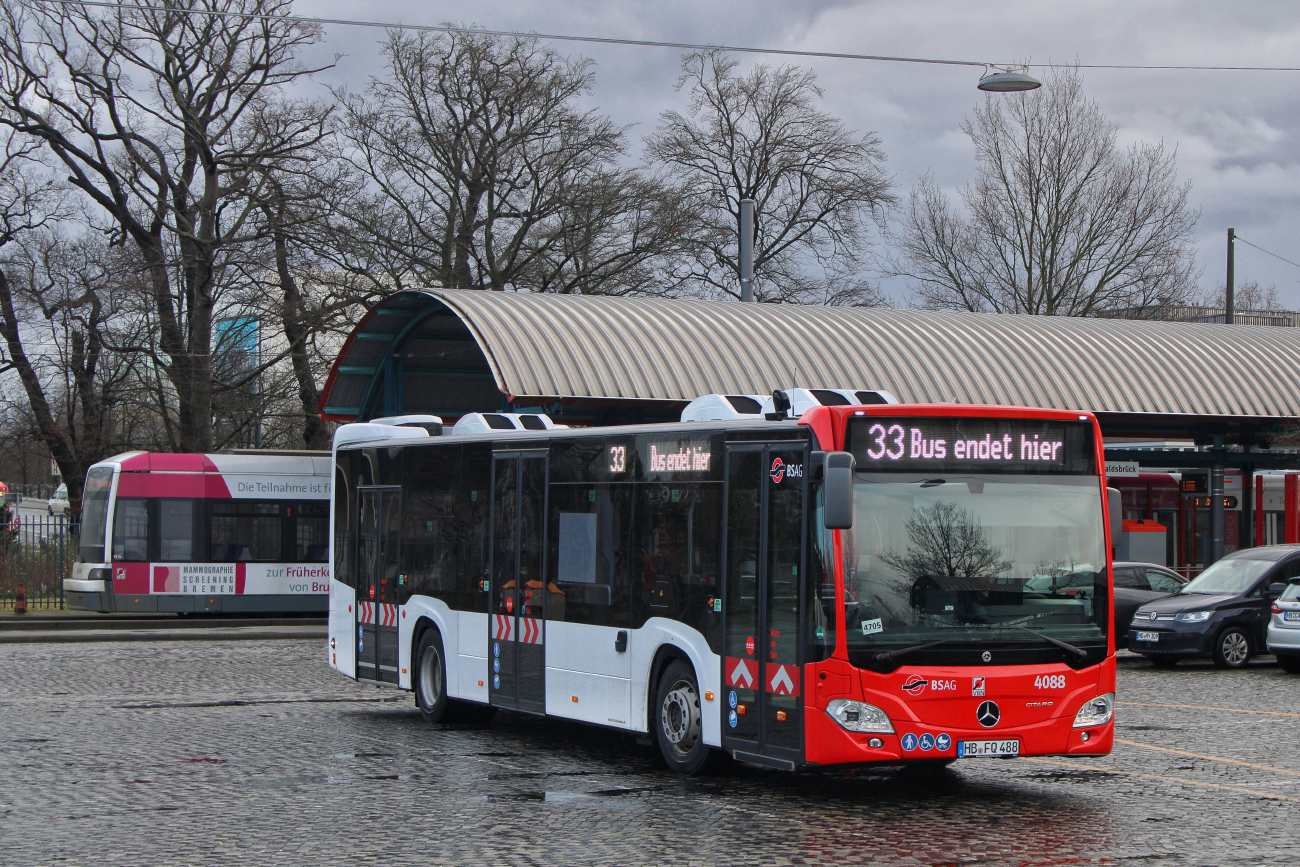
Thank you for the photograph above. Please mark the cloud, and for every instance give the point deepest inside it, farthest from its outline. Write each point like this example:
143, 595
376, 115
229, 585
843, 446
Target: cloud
1235, 132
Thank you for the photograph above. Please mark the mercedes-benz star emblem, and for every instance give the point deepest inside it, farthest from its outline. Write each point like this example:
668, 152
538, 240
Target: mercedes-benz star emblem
986, 656
988, 714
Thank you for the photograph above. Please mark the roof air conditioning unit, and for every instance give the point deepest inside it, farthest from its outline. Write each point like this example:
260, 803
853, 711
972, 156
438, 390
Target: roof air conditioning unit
724, 407
804, 399
496, 422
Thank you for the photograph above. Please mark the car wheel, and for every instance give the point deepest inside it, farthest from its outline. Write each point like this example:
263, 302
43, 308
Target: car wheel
431, 677
679, 726
1163, 661
1232, 648
1290, 662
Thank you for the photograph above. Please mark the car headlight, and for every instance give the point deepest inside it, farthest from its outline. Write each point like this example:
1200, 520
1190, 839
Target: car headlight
1193, 616
1096, 712
858, 716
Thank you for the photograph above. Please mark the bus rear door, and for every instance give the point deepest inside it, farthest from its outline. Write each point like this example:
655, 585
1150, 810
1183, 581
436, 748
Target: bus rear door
378, 534
762, 679
516, 625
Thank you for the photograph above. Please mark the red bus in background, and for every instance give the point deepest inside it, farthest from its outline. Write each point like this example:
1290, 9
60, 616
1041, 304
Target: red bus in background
185, 533
867, 584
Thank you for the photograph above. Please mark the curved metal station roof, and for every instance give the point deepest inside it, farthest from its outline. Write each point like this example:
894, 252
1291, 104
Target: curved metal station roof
448, 352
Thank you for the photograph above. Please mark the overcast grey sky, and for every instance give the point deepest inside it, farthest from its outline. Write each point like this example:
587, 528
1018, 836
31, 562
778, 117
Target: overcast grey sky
1235, 132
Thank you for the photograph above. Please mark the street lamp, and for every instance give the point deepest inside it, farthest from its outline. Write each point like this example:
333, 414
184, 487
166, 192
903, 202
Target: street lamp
1010, 79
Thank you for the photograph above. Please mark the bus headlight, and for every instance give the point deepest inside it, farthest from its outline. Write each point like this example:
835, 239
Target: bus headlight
1096, 712
858, 716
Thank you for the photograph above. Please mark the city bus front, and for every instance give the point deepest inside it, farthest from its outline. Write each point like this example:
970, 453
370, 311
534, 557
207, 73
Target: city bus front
969, 613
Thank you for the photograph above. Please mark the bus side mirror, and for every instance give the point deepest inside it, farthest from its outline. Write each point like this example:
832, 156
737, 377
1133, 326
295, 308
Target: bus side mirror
837, 491
1115, 503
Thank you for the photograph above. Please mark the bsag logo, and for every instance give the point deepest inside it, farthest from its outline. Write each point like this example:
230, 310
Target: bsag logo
915, 685
782, 470
778, 470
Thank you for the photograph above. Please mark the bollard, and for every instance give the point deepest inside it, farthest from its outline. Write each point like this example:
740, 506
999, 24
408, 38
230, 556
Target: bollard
20, 601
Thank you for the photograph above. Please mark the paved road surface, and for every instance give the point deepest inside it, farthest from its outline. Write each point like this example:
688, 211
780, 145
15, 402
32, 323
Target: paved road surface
255, 753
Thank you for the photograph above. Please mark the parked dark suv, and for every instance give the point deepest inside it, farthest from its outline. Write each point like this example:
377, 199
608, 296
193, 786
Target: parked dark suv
1222, 613
1135, 585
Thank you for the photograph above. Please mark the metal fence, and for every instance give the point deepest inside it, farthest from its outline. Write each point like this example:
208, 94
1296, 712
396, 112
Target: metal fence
36, 553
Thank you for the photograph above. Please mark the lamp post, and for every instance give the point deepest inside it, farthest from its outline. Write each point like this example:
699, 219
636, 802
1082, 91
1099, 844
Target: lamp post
746, 249
1230, 287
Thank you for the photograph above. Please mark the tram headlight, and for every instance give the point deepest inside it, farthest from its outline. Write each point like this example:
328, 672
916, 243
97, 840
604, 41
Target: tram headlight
858, 716
1096, 712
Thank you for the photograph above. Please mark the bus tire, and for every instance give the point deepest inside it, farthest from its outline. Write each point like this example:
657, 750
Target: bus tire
678, 720
430, 680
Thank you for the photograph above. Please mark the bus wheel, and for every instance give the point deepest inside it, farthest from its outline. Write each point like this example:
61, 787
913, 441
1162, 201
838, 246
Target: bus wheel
678, 723
431, 677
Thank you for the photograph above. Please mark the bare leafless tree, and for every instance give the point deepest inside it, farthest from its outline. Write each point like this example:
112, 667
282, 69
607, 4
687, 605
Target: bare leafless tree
481, 172
1060, 220
60, 300
157, 115
818, 187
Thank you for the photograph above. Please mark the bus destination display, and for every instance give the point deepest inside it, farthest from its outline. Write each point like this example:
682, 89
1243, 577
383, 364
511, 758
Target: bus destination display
658, 458
972, 445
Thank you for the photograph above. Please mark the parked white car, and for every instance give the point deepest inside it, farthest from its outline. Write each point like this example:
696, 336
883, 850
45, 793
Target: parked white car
58, 504
1284, 629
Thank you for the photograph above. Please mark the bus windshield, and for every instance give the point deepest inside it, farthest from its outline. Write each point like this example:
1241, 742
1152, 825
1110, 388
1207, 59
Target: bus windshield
94, 514
975, 558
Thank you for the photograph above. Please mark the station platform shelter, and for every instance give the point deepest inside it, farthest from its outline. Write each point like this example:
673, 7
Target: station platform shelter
1227, 391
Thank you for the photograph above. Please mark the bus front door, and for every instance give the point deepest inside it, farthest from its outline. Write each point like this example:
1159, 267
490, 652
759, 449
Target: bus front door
516, 625
762, 679
378, 534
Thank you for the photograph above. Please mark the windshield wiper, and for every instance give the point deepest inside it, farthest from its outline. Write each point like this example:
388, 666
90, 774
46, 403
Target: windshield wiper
1064, 645
886, 655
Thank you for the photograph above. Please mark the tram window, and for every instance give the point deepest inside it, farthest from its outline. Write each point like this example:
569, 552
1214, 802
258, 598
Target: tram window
591, 576
244, 531
131, 530
176, 530
311, 532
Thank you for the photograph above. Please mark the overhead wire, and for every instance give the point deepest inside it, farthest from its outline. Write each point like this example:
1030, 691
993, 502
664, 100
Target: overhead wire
655, 43
1267, 252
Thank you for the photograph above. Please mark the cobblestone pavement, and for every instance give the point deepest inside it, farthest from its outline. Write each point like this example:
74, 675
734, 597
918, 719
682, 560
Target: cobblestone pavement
255, 753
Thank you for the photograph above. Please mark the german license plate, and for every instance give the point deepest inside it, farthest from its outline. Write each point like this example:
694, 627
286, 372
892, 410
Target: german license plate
1148, 636
974, 749
1291, 615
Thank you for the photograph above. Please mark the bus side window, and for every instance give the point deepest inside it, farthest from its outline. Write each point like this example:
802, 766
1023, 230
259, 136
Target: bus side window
341, 568
429, 525
131, 530
589, 555
470, 524
677, 555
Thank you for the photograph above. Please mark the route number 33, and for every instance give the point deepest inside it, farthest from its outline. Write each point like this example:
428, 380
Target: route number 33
888, 442
1050, 681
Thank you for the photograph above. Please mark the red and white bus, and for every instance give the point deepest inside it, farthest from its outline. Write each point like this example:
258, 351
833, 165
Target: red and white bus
235, 533
887, 583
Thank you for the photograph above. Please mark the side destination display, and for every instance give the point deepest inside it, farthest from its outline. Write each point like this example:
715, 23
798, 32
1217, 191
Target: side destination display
971, 445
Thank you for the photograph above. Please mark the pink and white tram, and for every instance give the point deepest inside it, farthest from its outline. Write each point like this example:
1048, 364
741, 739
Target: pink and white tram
234, 533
